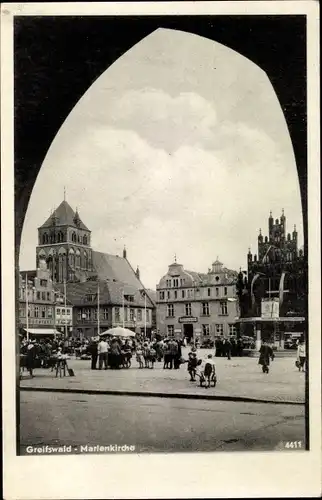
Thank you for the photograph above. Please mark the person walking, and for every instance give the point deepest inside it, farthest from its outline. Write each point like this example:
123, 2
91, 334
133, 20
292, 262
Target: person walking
31, 357
227, 348
301, 355
265, 354
102, 350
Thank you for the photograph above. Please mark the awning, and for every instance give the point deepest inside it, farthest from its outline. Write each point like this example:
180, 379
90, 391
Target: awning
285, 319
42, 331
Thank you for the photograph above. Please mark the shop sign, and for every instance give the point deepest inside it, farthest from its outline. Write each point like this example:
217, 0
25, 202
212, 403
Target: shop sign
188, 319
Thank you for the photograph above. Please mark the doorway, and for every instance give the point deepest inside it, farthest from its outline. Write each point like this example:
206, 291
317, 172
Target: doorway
188, 332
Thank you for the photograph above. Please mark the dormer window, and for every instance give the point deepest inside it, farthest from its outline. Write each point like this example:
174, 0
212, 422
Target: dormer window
129, 298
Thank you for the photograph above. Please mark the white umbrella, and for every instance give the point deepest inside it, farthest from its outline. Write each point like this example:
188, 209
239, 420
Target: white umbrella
118, 331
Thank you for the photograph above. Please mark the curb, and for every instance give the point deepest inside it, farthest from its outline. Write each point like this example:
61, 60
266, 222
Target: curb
209, 397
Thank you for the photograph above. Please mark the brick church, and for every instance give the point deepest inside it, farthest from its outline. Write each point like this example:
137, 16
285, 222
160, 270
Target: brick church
277, 272
93, 280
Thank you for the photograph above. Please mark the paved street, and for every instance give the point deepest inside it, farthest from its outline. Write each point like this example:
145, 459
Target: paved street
239, 377
154, 424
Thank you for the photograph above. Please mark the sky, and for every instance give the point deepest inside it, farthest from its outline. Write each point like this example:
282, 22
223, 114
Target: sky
179, 148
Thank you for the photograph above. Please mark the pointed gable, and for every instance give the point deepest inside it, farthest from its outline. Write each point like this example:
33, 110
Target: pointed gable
64, 215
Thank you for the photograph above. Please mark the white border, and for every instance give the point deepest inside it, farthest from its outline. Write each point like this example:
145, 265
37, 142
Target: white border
227, 475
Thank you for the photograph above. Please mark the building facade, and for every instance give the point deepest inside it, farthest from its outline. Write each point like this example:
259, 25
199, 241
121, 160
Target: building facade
197, 305
39, 301
276, 279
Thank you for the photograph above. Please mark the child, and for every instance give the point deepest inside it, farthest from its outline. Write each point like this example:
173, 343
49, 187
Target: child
139, 355
192, 364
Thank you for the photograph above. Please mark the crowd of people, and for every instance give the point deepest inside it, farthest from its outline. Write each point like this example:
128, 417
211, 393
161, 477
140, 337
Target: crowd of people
115, 352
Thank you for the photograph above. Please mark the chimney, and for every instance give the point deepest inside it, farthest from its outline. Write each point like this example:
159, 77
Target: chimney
137, 272
124, 252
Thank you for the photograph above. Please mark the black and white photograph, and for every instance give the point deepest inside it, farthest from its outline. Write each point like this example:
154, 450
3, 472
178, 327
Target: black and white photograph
164, 270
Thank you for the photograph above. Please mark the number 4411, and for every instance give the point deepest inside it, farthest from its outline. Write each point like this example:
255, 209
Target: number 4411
293, 444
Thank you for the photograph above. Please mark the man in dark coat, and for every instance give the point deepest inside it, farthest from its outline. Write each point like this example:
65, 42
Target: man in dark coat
94, 354
177, 356
265, 354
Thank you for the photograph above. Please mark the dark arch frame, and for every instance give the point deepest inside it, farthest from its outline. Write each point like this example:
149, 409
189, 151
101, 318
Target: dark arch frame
50, 76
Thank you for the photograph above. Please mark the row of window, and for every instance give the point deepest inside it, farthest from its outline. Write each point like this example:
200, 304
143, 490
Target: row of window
60, 237
189, 294
204, 309
43, 311
129, 314
218, 329
37, 312
175, 282
33, 295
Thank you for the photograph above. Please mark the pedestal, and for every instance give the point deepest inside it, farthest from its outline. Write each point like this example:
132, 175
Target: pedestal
258, 339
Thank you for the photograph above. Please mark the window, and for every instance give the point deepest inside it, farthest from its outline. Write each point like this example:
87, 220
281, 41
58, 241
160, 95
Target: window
205, 330
209, 292
168, 283
43, 282
36, 312
43, 312
131, 314
170, 330
129, 298
63, 312
217, 292
189, 294
182, 281
219, 329
232, 330
147, 315
94, 311
48, 295
175, 294
175, 282
170, 310
43, 295
117, 314
188, 309
38, 295
205, 309
86, 313
50, 312
161, 295
125, 314
79, 314
223, 308
225, 290
105, 313
168, 294
22, 312
183, 294
58, 310
90, 297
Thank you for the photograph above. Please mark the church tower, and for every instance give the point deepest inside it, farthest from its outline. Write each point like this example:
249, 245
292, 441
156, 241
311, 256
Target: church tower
64, 243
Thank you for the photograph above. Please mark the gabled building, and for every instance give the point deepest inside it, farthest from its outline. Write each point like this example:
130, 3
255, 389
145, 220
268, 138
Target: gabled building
41, 311
197, 305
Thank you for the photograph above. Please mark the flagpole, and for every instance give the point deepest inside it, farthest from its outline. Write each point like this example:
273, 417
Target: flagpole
27, 308
144, 314
65, 309
98, 309
123, 305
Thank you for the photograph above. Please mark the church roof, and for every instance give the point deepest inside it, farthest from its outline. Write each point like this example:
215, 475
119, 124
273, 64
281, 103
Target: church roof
108, 266
65, 216
111, 292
